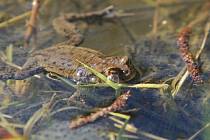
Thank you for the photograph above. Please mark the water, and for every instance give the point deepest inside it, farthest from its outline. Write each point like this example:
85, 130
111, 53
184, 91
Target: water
154, 51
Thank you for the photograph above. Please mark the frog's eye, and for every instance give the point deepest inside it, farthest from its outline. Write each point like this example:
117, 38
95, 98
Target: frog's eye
114, 74
125, 72
112, 70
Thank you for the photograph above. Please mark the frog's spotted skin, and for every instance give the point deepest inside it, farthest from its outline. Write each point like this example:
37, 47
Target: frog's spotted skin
61, 59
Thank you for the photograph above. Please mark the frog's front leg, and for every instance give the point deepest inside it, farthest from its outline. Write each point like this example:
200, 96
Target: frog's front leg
22, 74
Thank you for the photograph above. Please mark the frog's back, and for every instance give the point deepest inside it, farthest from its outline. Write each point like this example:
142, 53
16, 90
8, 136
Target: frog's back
62, 59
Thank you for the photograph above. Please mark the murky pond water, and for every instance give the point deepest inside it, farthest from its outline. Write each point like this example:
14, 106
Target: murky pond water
149, 38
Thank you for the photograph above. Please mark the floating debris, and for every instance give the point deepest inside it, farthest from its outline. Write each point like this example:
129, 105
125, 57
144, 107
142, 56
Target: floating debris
32, 23
118, 104
192, 66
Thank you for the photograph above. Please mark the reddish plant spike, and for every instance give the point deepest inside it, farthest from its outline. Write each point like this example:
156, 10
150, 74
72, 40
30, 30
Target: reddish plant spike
4, 134
192, 66
116, 105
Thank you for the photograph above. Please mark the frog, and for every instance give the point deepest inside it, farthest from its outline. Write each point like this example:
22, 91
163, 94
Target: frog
63, 58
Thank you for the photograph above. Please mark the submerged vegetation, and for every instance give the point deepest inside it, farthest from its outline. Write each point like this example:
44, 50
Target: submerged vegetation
168, 100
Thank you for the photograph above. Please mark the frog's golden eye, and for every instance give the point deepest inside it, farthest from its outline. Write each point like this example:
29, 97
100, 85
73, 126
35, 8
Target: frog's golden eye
126, 72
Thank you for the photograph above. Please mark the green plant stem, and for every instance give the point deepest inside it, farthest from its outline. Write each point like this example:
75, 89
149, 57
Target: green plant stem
14, 20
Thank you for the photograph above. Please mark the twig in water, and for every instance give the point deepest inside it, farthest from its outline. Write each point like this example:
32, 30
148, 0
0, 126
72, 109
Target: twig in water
6, 127
31, 25
180, 82
14, 20
118, 104
199, 131
156, 17
192, 66
37, 116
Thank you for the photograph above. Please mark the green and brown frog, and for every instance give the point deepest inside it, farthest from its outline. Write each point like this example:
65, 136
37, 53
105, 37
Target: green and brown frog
61, 59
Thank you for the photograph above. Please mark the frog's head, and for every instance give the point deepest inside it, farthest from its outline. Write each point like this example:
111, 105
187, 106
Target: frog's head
120, 69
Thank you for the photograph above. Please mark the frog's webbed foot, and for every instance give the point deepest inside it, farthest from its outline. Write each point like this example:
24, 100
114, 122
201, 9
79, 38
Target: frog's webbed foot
22, 74
66, 24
